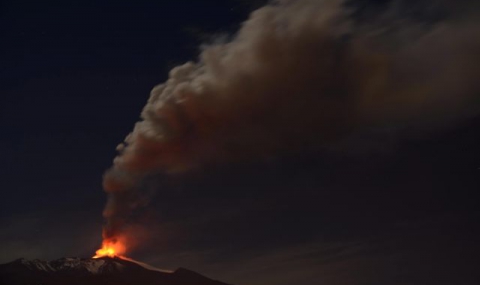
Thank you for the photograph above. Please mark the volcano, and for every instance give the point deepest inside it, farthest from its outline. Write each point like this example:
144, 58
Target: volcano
95, 271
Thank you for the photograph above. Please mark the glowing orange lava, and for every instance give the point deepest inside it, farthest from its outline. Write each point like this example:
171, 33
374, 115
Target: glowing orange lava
110, 249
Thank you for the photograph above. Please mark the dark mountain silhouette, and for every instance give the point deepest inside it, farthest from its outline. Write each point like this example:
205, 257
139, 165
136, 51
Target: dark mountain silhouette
100, 271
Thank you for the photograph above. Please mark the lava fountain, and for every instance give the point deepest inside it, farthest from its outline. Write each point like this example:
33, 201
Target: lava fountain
111, 248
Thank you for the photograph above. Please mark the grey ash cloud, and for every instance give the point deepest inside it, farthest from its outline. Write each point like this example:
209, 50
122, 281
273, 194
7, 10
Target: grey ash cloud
299, 76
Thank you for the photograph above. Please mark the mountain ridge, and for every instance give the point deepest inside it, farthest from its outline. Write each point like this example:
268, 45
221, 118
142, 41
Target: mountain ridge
95, 271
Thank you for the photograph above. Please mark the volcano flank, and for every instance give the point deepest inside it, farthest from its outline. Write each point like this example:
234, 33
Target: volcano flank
98, 271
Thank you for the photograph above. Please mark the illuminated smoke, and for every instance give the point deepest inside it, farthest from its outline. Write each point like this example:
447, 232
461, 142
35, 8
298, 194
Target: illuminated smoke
299, 76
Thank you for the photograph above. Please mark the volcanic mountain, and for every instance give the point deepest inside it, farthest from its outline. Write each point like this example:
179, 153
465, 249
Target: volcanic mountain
95, 271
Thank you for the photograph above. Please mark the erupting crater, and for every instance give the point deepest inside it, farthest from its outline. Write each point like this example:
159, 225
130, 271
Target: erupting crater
111, 248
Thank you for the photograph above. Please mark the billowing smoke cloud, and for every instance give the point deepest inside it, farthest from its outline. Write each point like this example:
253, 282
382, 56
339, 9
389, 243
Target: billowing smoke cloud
299, 76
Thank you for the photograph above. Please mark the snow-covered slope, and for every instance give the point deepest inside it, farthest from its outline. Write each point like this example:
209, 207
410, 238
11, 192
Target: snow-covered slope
64, 264
101, 271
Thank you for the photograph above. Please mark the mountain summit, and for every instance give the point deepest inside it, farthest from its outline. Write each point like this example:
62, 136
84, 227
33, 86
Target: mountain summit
98, 271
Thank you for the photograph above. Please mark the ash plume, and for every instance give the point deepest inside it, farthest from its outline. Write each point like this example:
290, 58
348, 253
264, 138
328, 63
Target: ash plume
299, 76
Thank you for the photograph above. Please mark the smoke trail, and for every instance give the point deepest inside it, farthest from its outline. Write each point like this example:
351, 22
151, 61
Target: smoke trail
298, 76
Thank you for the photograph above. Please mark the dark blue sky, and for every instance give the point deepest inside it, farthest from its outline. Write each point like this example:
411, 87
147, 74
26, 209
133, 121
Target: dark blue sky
74, 76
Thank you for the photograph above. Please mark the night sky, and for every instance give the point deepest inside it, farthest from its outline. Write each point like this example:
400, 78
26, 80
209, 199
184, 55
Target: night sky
74, 77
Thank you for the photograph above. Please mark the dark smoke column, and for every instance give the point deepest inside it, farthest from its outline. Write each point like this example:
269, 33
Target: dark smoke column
299, 76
